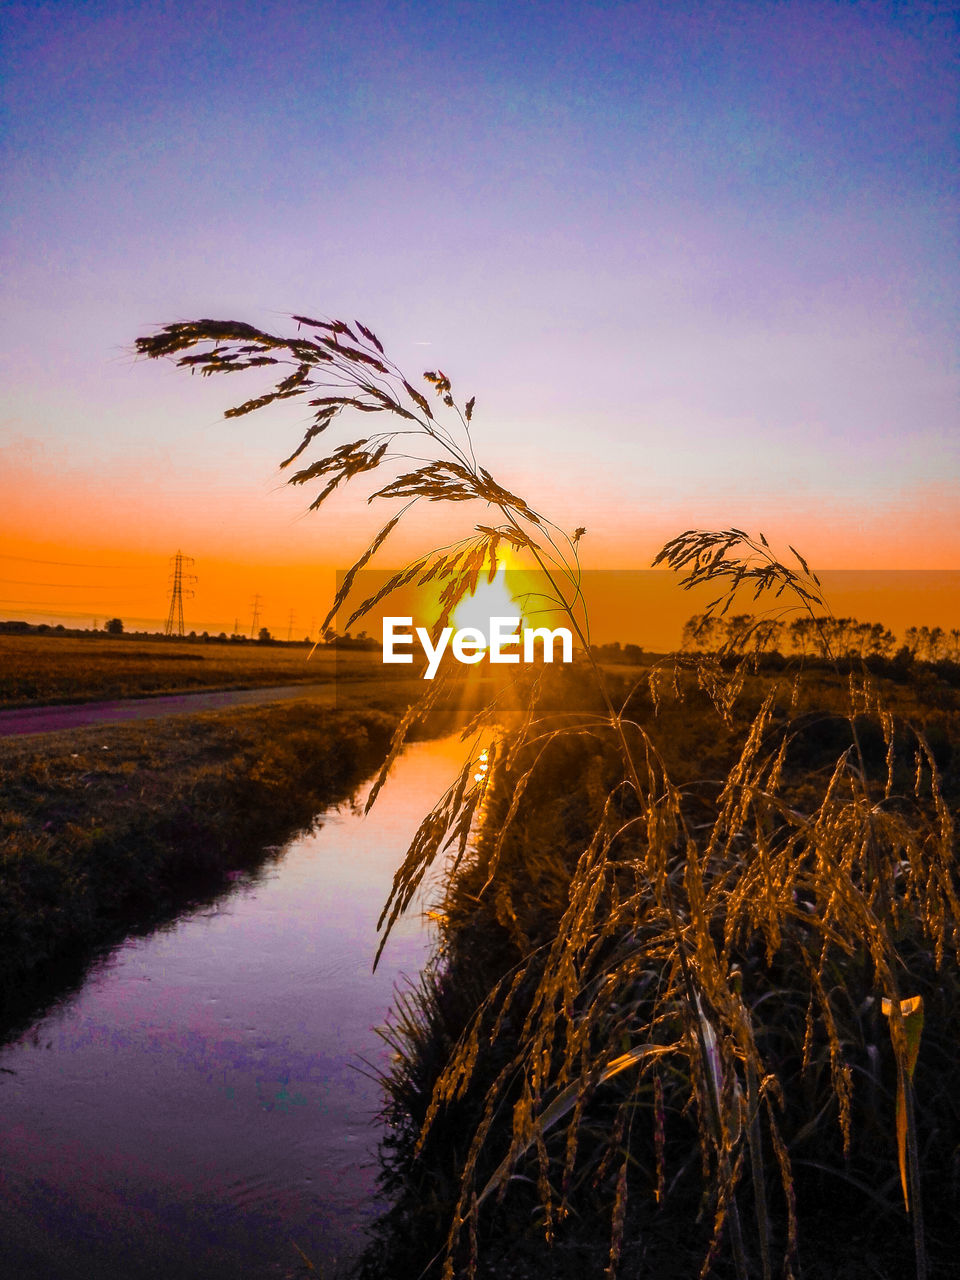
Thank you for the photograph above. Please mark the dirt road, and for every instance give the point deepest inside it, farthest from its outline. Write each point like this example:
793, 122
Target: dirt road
24, 720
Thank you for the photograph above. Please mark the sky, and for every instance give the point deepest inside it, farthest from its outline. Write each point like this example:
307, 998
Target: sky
698, 263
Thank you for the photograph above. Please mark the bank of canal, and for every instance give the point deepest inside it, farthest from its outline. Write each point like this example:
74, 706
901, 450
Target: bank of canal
196, 1108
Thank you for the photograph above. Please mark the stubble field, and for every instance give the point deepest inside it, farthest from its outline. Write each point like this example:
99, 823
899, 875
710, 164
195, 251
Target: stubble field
39, 669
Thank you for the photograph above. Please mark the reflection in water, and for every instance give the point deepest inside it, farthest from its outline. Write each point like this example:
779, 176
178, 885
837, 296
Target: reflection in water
196, 1109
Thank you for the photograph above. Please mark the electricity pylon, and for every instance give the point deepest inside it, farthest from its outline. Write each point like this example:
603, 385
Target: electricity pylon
256, 616
174, 624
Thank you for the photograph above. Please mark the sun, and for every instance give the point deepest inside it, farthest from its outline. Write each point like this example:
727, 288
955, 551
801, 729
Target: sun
490, 600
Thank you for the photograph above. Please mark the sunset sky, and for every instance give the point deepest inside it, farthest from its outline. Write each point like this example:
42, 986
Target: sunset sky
698, 263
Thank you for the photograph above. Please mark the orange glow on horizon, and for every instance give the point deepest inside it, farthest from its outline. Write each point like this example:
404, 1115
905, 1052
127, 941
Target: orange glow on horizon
85, 544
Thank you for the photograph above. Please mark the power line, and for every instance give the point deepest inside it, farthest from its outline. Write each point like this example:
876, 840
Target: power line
55, 604
64, 564
175, 616
70, 586
52, 611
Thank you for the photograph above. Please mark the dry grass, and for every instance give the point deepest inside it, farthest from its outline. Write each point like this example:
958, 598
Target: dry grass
559, 954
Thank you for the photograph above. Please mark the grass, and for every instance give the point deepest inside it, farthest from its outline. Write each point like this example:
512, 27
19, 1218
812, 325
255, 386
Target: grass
460, 1039
43, 669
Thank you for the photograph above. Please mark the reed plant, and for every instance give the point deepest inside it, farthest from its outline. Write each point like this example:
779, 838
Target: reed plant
713, 949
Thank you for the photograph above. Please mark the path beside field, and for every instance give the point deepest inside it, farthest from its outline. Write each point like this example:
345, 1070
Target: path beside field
24, 720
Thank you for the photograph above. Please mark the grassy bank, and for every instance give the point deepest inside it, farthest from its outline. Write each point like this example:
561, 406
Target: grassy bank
103, 828
638, 1150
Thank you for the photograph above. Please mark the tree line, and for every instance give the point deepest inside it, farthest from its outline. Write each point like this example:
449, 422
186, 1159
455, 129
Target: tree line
809, 636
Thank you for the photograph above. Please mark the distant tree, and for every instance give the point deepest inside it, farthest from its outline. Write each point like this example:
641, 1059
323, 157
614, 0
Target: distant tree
738, 631
881, 640
769, 635
936, 643
843, 636
115, 627
264, 637
902, 660
802, 631
702, 632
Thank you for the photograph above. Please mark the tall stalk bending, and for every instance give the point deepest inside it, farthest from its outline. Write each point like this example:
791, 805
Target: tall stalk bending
652, 892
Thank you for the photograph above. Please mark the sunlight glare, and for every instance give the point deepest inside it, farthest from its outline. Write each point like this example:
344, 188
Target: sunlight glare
490, 600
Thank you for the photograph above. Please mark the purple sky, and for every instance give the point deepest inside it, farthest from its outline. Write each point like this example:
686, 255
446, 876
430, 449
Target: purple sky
697, 261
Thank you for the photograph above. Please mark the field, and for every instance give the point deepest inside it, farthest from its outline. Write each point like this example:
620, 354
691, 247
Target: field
40, 669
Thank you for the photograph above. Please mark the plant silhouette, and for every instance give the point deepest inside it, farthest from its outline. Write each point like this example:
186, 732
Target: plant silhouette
688, 908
